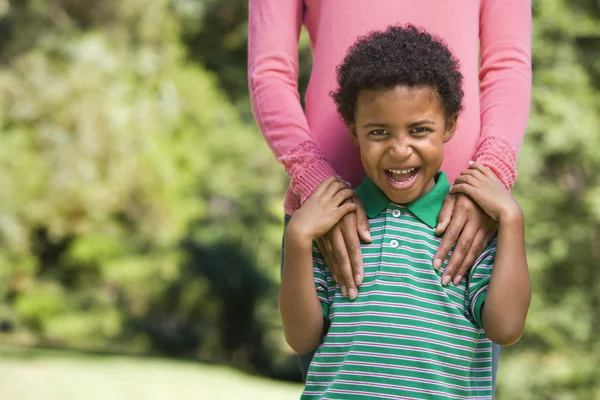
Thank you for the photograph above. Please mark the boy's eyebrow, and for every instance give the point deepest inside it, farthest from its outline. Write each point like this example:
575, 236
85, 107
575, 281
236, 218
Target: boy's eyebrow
421, 122
411, 125
375, 125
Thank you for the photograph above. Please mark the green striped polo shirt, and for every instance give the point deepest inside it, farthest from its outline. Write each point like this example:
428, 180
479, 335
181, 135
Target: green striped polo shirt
405, 336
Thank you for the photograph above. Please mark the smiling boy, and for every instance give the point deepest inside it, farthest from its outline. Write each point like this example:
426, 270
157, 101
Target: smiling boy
406, 336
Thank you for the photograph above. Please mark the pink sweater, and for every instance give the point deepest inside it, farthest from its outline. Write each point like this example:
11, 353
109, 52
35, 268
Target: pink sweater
316, 145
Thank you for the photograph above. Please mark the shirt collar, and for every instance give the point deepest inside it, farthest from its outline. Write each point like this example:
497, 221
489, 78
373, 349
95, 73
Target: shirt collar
426, 208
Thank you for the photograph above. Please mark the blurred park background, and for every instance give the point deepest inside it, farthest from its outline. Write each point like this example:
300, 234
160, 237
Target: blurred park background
141, 210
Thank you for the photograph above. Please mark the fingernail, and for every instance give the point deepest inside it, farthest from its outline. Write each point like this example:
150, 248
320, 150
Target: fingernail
344, 291
437, 263
457, 280
446, 280
358, 279
352, 294
368, 234
471, 162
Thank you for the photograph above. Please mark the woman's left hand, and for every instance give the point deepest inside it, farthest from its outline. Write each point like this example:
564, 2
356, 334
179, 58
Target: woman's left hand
462, 222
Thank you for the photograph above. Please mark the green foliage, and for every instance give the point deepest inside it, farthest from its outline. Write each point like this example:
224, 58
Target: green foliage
128, 181
558, 188
215, 34
141, 209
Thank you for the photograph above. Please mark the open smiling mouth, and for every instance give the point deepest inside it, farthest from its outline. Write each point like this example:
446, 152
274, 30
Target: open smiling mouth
402, 177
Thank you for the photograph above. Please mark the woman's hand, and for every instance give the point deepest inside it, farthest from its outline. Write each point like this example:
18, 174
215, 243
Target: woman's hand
341, 248
462, 222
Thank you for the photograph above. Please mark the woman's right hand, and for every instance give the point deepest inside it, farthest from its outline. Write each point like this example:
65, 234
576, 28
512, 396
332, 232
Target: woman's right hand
340, 247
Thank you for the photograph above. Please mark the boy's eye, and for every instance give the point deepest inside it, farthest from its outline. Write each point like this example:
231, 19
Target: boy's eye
378, 132
420, 130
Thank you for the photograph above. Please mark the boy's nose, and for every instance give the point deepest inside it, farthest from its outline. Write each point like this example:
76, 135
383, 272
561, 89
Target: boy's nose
401, 150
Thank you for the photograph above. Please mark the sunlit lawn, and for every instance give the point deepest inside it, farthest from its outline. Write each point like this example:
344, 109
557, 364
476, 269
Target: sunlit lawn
56, 375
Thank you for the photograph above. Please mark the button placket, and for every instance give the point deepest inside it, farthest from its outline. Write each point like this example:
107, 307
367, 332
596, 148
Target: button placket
383, 245
391, 244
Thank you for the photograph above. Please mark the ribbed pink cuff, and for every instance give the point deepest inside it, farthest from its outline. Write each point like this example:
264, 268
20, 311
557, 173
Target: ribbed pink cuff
498, 155
308, 167
292, 202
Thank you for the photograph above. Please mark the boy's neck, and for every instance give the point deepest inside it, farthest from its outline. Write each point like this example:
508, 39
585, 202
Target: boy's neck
428, 189
426, 207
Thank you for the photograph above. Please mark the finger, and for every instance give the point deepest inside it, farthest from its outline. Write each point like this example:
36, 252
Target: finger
325, 183
472, 178
334, 188
473, 253
489, 237
327, 251
345, 209
465, 179
321, 246
354, 250
482, 168
474, 173
450, 237
463, 188
465, 240
362, 222
342, 196
445, 214
344, 269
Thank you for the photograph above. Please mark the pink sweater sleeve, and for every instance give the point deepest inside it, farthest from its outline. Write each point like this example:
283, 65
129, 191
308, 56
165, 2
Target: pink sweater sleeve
505, 79
274, 29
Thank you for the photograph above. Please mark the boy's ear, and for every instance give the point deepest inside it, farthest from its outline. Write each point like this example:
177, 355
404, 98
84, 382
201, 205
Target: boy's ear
353, 133
450, 128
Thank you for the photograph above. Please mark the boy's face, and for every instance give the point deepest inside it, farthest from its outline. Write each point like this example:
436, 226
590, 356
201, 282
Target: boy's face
401, 133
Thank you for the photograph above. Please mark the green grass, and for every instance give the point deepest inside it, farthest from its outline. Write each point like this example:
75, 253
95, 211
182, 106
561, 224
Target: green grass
57, 375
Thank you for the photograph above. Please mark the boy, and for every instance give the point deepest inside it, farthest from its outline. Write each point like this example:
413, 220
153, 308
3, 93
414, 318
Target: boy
406, 336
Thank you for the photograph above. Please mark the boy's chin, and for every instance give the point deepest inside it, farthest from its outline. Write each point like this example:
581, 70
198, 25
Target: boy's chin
411, 194
404, 198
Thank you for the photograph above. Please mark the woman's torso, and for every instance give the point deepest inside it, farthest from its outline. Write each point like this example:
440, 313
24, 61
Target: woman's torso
333, 27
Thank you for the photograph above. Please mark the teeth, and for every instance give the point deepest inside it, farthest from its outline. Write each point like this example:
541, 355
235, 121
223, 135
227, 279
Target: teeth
401, 171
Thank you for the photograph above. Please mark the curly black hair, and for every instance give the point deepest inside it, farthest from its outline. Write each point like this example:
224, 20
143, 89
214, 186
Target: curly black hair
398, 56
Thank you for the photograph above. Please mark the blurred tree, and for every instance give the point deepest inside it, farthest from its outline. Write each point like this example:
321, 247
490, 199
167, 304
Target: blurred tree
559, 189
215, 34
138, 212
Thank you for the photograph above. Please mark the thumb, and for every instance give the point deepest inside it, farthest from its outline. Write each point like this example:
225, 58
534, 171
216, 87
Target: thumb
362, 222
445, 214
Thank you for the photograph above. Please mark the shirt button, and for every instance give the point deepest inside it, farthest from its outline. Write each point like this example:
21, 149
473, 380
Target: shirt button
396, 213
394, 243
